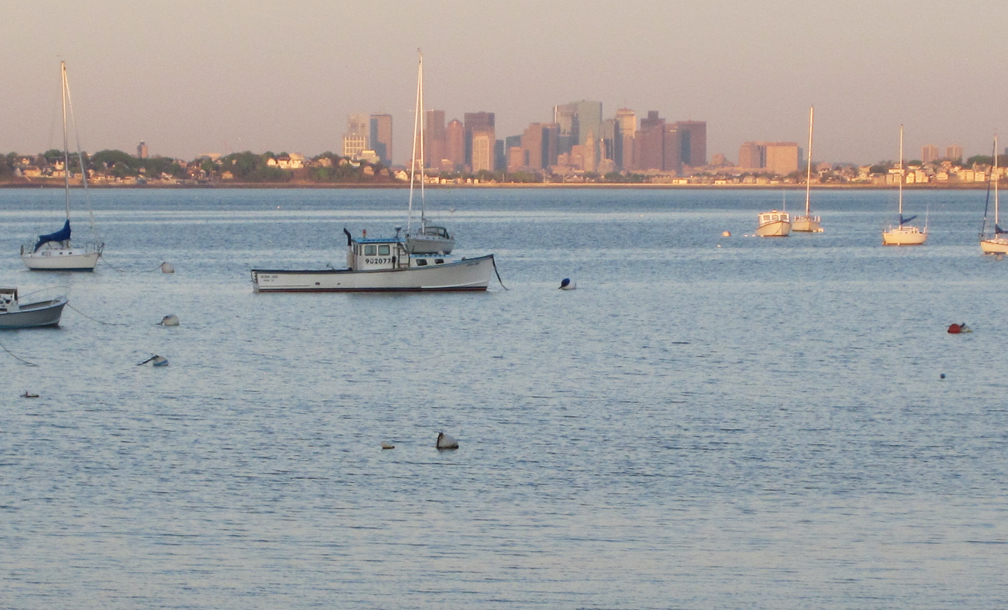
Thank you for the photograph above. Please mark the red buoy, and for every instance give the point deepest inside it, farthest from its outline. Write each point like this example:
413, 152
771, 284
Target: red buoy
954, 329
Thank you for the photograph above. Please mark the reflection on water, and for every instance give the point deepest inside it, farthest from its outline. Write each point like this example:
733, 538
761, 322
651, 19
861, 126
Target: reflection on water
704, 422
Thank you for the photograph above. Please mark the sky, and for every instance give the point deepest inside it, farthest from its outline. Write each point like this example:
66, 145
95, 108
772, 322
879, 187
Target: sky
226, 76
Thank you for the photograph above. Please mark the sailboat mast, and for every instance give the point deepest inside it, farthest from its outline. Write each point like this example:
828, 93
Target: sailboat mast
901, 177
413, 152
808, 174
66, 144
995, 176
423, 162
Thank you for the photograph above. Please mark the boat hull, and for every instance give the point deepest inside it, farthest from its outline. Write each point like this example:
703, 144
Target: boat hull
998, 245
904, 236
467, 274
780, 228
60, 259
34, 315
806, 224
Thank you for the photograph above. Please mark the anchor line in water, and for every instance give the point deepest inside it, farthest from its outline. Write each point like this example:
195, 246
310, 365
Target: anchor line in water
16, 357
95, 319
494, 260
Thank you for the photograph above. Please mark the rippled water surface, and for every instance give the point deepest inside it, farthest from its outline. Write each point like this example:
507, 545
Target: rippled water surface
705, 422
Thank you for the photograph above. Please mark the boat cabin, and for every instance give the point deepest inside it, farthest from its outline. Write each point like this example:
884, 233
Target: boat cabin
433, 231
384, 254
774, 216
8, 299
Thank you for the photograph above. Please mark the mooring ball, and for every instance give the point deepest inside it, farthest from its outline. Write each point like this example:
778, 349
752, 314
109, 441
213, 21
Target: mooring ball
170, 320
446, 442
167, 268
943, 375
565, 282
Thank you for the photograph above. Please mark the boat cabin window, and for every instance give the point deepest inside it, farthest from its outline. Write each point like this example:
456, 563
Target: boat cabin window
370, 250
421, 262
383, 250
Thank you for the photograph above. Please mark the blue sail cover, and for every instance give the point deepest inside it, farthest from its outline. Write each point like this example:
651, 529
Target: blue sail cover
61, 235
903, 221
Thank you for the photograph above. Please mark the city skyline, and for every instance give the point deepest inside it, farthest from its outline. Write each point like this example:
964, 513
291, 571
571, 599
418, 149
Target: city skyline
203, 79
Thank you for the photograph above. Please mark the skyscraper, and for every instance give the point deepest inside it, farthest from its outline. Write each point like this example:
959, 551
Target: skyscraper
142, 150
649, 143
456, 148
381, 137
435, 138
540, 142
775, 157
565, 116
929, 153
954, 152
627, 120
693, 142
480, 141
355, 139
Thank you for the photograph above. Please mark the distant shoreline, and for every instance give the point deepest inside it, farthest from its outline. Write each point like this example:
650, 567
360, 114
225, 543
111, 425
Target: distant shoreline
511, 185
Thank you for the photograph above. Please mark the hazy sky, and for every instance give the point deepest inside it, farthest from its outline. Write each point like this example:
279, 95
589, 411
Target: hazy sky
225, 76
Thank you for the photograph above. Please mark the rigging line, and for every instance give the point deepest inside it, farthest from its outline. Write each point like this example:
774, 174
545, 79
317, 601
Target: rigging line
15, 356
494, 261
95, 319
114, 268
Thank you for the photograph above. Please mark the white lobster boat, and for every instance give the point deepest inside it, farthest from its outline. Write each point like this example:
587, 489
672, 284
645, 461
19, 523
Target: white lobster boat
382, 265
775, 223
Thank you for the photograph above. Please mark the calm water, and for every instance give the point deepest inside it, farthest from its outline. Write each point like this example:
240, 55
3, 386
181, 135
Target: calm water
705, 422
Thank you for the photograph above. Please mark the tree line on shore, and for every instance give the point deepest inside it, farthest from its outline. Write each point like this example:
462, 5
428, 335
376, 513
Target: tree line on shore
327, 168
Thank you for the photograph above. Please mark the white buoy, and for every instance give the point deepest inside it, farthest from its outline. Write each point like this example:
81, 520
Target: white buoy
169, 320
167, 267
387, 445
446, 442
566, 284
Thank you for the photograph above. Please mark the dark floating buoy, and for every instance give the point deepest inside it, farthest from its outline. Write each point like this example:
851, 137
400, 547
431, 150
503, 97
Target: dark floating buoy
566, 284
446, 442
955, 329
943, 375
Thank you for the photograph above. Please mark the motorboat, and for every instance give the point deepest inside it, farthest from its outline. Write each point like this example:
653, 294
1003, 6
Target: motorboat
775, 223
17, 313
383, 265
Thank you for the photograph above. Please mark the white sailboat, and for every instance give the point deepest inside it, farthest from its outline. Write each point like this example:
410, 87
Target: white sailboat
54, 251
903, 234
428, 239
994, 242
808, 223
